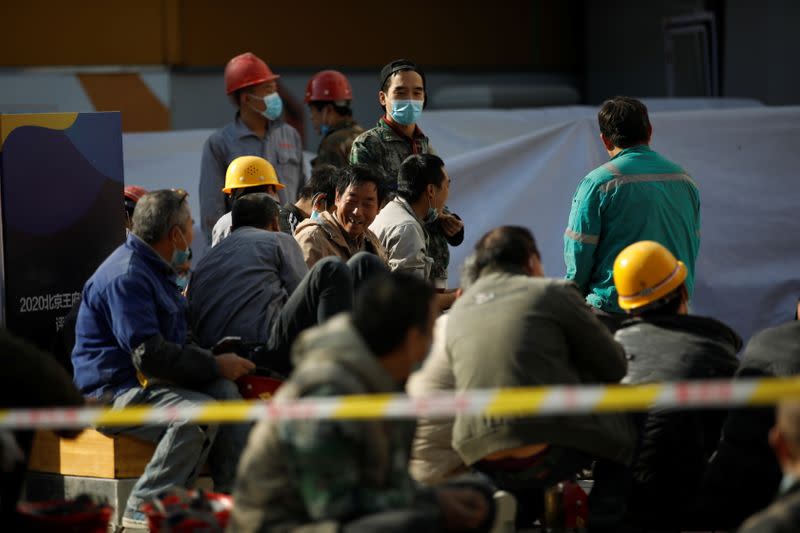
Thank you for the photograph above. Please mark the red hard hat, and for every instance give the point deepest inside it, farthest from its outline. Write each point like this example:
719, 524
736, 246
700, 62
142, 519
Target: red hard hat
328, 86
245, 70
253, 387
134, 192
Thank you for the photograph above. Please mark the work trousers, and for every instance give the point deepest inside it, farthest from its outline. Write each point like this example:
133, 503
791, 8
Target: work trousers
328, 289
182, 448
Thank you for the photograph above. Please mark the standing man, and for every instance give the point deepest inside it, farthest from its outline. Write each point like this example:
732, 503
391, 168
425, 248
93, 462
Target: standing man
257, 129
328, 95
638, 195
397, 136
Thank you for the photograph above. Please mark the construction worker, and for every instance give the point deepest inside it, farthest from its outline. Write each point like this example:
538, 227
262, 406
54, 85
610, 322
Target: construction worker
257, 129
403, 96
665, 343
638, 195
345, 231
132, 348
784, 438
316, 196
744, 474
245, 175
328, 96
538, 332
348, 475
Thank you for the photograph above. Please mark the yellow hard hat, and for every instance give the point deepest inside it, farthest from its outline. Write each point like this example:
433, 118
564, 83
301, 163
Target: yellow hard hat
250, 171
645, 272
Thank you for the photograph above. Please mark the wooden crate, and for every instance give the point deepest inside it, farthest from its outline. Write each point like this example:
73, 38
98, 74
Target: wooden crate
92, 454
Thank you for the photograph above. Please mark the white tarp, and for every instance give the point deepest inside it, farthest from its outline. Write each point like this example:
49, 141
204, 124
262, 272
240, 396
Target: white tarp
522, 167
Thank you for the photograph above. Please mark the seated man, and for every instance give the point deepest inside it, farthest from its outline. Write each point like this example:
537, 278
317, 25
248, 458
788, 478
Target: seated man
422, 189
255, 285
351, 475
245, 175
743, 475
515, 328
784, 514
315, 197
131, 349
359, 195
433, 459
664, 343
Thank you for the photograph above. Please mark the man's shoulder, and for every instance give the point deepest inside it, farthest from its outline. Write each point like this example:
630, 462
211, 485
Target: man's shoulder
782, 515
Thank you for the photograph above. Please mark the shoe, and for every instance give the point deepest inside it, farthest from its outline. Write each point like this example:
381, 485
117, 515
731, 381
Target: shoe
135, 520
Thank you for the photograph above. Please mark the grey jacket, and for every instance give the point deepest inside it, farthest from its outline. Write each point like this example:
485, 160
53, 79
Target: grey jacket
316, 474
281, 146
240, 285
511, 330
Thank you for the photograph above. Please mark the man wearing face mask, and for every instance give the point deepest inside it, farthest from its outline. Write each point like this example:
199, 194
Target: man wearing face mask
422, 189
257, 129
315, 197
397, 136
131, 348
328, 96
248, 174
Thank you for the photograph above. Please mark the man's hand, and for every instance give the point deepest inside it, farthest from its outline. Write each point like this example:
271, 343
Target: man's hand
463, 508
232, 367
450, 224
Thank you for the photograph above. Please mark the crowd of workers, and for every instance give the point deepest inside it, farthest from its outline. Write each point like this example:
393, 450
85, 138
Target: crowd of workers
341, 283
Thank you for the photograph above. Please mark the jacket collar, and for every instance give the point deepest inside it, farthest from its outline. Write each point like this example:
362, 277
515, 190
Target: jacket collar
700, 325
390, 132
639, 148
240, 129
149, 255
341, 125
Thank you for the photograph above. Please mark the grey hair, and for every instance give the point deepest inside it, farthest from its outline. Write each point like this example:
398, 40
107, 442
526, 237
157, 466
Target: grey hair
469, 272
158, 212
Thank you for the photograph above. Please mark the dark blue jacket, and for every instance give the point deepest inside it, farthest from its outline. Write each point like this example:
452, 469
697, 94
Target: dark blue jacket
131, 297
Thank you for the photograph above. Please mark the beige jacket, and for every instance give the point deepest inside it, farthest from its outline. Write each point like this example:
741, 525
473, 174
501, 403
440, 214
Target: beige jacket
325, 236
433, 459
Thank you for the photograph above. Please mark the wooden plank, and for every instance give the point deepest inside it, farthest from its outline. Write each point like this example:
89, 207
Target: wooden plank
92, 454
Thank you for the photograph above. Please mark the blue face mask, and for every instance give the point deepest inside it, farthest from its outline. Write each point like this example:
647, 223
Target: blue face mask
274, 106
179, 257
324, 129
406, 112
182, 282
432, 213
315, 215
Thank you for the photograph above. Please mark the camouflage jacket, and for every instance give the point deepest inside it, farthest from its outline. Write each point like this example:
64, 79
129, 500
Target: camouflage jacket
334, 149
316, 474
384, 148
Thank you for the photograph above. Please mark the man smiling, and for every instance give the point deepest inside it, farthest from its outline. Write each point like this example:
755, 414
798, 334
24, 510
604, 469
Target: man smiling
359, 194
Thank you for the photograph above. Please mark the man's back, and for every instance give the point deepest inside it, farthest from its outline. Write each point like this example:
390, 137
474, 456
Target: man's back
674, 445
242, 283
638, 195
296, 472
512, 330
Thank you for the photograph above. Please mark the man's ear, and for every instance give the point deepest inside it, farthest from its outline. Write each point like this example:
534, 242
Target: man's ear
779, 445
607, 142
382, 98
